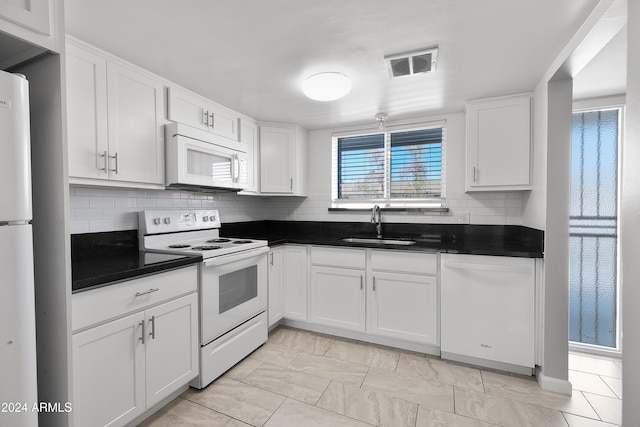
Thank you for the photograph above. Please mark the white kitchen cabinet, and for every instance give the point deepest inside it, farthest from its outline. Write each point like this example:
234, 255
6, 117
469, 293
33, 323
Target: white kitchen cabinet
275, 278
35, 21
115, 120
249, 136
108, 373
499, 144
338, 288
194, 110
171, 347
283, 159
488, 309
403, 301
134, 344
295, 282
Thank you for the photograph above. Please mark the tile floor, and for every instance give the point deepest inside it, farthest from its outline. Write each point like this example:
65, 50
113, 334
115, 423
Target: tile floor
302, 379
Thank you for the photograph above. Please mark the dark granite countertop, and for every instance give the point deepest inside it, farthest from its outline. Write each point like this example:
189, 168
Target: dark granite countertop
497, 240
100, 259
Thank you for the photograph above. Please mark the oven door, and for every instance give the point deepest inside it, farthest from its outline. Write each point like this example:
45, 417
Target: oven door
233, 289
204, 164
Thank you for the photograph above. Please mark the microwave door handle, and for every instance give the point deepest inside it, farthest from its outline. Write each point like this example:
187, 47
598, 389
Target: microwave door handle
235, 168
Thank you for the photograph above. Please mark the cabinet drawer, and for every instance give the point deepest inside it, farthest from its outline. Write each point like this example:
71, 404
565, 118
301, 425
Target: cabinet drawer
99, 305
404, 262
331, 256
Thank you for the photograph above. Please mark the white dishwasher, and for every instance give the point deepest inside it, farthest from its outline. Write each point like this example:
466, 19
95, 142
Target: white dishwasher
487, 311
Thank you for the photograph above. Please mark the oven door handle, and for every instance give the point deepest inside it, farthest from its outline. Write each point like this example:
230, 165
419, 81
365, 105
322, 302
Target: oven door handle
238, 256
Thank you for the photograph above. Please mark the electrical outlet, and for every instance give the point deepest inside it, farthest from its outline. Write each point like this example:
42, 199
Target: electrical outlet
461, 218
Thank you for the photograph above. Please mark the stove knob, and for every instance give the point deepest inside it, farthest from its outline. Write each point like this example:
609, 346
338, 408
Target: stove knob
156, 221
167, 220
212, 218
205, 218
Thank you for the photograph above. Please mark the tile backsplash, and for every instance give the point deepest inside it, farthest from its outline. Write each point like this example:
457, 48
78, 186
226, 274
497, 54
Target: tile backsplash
96, 209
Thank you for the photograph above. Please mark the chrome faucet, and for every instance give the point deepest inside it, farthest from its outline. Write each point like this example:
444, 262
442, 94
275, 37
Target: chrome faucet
376, 218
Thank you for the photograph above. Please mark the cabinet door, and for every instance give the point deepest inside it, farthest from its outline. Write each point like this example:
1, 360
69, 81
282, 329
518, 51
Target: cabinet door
249, 135
186, 108
404, 306
223, 121
277, 156
109, 373
32, 15
172, 347
499, 143
295, 282
86, 79
338, 297
276, 269
136, 140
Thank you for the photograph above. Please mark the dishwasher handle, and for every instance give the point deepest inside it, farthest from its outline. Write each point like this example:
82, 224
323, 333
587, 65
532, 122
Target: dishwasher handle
495, 268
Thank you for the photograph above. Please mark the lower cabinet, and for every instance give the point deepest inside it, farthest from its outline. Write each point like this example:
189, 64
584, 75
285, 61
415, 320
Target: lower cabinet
124, 366
404, 306
275, 277
288, 283
338, 297
295, 282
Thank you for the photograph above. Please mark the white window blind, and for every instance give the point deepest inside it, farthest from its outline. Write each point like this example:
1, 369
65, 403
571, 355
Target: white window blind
404, 164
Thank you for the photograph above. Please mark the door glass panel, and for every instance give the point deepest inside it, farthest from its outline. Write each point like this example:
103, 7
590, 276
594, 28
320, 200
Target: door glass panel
238, 287
208, 165
593, 241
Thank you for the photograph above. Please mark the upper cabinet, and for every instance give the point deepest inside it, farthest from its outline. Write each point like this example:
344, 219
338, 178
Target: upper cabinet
34, 21
283, 159
249, 135
114, 120
193, 110
499, 144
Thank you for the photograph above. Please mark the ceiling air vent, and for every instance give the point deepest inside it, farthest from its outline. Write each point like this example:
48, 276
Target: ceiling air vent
407, 64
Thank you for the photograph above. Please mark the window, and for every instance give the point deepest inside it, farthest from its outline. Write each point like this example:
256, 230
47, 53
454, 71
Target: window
403, 165
593, 228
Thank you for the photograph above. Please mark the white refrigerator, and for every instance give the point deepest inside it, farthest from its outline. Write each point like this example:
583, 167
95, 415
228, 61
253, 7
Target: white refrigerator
18, 376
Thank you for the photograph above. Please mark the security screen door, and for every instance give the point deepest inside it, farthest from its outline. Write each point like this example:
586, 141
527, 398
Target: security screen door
593, 268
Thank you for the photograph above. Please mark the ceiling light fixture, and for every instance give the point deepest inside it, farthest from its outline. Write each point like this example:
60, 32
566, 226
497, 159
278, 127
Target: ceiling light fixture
327, 86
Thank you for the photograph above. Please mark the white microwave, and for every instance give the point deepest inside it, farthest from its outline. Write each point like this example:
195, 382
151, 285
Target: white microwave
196, 159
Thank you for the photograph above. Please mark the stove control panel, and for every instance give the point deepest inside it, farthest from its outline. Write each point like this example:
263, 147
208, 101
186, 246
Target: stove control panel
168, 221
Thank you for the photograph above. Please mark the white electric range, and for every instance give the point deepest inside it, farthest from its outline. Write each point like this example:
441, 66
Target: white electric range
232, 283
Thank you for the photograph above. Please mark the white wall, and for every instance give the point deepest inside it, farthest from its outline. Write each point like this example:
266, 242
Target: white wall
95, 209
482, 207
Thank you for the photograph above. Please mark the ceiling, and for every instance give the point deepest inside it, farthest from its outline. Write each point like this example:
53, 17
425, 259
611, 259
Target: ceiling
253, 55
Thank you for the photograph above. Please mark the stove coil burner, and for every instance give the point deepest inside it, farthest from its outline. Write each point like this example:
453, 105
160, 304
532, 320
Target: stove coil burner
179, 246
205, 248
241, 242
218, 241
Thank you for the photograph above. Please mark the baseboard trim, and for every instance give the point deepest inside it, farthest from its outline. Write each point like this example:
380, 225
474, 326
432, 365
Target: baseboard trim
554, 384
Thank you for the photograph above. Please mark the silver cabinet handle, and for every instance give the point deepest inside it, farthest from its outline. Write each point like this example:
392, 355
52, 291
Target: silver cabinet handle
115, 157
205, 117
105, 159
142, 336
211, 121
271, 258
475, 174
374, 283
139, 294
153, 327
291, 184
361, 282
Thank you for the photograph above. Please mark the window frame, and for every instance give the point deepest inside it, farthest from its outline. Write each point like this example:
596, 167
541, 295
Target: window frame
388, 202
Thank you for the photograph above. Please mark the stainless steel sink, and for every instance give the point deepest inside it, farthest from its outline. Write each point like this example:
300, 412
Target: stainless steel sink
373, 240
